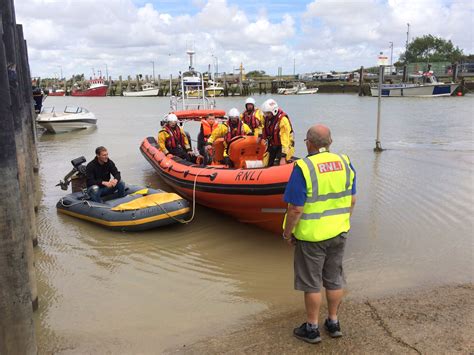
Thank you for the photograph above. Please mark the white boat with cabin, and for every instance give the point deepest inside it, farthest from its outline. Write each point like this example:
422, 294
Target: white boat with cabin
147, 90
70, 119
426, 85
297, 89
213, 89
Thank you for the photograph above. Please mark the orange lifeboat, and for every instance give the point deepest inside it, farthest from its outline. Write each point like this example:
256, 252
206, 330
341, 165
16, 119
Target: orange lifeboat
248, 192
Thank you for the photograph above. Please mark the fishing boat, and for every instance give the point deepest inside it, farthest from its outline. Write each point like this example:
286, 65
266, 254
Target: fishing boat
425, 85
249, 192
140, 209
71, 118
96, 87
147, 90
56, 92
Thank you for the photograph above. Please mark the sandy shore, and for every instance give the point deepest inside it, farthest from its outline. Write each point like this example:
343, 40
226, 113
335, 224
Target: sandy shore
433, 321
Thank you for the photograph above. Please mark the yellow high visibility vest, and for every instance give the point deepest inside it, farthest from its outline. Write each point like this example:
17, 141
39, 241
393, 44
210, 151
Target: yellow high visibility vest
326, 212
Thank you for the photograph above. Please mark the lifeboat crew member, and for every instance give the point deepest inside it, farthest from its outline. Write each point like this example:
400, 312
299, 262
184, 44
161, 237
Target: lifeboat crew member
208, 126
278, 132
233, 127
253, 117
173, 140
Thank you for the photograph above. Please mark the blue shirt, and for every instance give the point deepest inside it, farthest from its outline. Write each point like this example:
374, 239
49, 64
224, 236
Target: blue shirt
295, 192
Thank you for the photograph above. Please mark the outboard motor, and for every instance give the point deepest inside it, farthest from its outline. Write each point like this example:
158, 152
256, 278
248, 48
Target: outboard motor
77, 176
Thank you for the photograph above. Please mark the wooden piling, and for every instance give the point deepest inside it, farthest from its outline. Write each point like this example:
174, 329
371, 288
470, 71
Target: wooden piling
405, 74
361, 80
226, 87
17, 335
19, 80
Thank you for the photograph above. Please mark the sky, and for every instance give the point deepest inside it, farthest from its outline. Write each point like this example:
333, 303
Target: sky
130, 37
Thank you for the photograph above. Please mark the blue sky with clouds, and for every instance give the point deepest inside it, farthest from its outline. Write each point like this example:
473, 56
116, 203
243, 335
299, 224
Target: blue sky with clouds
318, 35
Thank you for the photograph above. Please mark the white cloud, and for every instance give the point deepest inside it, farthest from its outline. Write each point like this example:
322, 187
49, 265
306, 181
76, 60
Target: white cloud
80, 35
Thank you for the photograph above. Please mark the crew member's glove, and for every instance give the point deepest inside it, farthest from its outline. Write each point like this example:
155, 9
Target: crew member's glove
227, 162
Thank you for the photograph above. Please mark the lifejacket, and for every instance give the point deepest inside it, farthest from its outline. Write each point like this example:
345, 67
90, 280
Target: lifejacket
326, 212
207, 129
175, 139
272, 128
234, 132
250, 119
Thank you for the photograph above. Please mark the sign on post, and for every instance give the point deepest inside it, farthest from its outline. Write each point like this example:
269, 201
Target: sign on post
382, 60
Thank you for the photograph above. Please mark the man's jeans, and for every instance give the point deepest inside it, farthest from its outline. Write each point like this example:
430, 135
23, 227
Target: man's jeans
96, 192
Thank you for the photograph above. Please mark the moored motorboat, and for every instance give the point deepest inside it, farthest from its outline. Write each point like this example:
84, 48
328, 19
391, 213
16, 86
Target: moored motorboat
71, 118
248, 192
213, 89
147, 90
425, 85
56, 92
297, 89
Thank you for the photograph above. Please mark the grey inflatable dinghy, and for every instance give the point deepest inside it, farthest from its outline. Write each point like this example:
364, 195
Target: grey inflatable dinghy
140, 209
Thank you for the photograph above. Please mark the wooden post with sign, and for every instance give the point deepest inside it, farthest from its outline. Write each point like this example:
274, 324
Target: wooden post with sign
382, 62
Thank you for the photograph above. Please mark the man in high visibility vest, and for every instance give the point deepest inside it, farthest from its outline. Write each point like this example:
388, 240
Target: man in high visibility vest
320, 196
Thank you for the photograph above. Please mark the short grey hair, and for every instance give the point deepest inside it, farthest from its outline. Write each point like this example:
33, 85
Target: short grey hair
317, 139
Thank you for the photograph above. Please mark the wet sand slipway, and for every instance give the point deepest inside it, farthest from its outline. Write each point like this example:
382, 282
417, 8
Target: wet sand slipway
217, 286
428, 321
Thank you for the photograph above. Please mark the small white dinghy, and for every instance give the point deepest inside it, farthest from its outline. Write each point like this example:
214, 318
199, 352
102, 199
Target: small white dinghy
72, 118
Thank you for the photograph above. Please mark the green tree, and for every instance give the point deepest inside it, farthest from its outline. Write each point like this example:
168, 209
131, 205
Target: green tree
431, 49
255, 73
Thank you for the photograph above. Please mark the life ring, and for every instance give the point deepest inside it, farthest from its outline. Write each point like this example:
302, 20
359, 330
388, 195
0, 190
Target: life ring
197, 115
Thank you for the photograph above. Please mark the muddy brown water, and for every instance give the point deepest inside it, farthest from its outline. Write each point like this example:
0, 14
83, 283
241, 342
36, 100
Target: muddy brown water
112, 292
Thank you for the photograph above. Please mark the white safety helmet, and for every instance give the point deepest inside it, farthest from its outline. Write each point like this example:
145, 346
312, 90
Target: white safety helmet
233, 112
171, 118
250, 100
270, 106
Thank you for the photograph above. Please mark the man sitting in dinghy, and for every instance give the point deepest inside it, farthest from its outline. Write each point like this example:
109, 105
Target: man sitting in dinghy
98, 173
173, 140
234, 127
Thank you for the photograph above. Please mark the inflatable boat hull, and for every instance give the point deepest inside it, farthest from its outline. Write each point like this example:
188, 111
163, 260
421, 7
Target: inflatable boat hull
111, 215
252, 196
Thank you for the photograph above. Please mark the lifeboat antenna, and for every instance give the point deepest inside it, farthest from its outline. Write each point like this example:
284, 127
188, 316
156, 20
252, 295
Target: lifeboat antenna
190, 52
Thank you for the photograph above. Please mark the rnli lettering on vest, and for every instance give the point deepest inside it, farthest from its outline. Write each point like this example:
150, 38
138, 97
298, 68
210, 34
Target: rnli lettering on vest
329, 166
